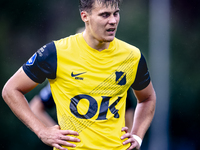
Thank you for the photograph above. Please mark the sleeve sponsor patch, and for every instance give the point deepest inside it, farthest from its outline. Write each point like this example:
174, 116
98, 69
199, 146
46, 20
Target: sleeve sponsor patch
31, 60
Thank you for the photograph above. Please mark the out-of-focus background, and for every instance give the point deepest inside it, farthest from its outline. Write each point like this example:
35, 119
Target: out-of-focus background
167, 33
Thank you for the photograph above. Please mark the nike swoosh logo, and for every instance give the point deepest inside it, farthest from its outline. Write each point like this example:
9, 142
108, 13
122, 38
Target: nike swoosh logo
74, 75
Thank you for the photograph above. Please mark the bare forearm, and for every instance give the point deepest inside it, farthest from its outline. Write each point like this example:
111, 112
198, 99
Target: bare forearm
143, 117
51, 136
144, 113
19, 105
13, 94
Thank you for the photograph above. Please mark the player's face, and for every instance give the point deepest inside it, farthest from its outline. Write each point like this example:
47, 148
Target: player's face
103, 21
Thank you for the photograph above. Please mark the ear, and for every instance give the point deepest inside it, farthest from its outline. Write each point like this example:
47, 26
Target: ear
84, 16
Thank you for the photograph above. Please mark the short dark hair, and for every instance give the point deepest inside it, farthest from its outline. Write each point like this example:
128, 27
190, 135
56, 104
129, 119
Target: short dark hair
87, 5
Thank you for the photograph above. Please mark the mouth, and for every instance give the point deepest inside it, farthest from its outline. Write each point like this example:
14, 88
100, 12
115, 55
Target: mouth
111, 30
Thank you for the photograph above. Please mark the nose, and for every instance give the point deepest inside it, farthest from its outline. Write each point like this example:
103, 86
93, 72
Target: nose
112, 19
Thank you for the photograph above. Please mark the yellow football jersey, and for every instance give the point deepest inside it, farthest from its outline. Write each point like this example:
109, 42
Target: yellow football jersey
90, 90
90, 87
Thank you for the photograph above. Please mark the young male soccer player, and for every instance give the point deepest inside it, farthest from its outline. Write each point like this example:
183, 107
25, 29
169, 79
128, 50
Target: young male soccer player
89, 75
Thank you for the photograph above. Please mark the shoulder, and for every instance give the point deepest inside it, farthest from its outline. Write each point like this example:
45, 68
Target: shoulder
47, 51
47, 56
66, 42
42, 64
142, 79
126, 47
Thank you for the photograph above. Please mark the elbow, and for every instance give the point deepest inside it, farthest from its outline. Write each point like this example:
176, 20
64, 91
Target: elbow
5, 93
153, 99
154, 96
8, 93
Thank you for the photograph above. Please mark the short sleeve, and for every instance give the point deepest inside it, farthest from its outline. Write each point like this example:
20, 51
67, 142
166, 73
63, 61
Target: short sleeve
43, 64
142, 79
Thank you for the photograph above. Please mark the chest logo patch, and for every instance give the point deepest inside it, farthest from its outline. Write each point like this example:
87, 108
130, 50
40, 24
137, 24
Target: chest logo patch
120, 77
76, 75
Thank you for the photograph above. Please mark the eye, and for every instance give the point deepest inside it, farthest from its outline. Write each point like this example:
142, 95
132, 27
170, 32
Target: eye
105, 15
116, 13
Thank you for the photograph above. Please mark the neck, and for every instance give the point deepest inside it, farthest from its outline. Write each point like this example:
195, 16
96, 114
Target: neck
94, 43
